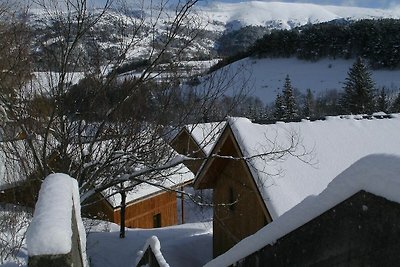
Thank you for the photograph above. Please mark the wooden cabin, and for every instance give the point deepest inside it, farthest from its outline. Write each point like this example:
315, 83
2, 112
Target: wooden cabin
235, 196
147, 206
158, 210
354, 222
265, 170
151, 211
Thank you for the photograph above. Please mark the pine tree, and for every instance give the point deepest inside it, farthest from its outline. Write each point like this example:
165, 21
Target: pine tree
358, 97
279, 107
382, 101
289, 102
309, 104
395, 107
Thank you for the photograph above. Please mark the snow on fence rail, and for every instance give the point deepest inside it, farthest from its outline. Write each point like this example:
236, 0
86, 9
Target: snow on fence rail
151, 254
56, 235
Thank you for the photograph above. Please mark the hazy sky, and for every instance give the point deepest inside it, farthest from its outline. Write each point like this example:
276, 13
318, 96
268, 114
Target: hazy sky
360, 3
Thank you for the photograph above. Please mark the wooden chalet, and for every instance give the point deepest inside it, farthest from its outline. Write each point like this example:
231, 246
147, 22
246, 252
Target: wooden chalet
147, 206
355, 221
253, 187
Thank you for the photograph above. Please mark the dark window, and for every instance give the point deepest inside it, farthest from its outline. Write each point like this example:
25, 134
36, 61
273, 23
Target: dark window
157, 220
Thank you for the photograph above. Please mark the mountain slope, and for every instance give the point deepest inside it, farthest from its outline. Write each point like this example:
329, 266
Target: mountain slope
285, 15
213, 20
267, 76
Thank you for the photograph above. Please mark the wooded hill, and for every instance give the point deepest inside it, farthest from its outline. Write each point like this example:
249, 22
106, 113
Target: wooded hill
377, 41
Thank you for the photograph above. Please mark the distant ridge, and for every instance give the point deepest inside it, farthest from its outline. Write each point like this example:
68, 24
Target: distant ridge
287, 15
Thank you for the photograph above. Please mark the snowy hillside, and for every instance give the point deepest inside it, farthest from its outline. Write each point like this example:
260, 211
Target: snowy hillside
267, 75
212, 19
285, 15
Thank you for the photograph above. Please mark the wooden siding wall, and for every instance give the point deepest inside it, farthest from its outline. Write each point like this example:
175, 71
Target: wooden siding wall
140, 214
233, 223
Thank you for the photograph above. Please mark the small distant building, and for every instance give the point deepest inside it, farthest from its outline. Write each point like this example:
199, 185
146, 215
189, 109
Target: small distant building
263, 171
147, 205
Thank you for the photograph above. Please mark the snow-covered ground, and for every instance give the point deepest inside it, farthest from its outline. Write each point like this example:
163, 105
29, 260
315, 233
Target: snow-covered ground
267, 76
181, 245
188, 244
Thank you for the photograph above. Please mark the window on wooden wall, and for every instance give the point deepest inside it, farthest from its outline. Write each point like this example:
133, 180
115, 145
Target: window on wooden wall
157, 220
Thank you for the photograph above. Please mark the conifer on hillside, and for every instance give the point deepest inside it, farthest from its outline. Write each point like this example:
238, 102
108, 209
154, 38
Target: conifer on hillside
279, 107
382, 103
358, 96
289, 101
309, 104
395, 107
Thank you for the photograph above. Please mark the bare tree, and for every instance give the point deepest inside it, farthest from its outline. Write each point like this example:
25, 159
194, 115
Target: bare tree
108, 128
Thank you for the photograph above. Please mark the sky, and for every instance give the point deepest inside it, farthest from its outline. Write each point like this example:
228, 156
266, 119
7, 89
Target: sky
359, 3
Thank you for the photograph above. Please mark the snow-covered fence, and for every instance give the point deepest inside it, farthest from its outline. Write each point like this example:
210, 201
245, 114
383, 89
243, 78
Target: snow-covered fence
151, 254
56, 235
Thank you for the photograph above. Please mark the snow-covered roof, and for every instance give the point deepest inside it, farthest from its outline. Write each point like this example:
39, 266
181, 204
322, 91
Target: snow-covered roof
169, 179
206, 134
378, 174
329, 147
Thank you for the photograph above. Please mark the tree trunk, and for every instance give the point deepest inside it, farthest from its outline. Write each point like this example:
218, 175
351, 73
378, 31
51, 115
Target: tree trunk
123, 205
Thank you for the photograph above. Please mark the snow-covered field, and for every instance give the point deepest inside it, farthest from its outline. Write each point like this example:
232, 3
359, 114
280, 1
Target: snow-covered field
181, 245
188, 244
267, 76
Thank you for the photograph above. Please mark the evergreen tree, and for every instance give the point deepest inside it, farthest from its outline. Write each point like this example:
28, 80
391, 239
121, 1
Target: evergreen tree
289, 101
279, 107
382, 101
309, 104
395, 107
358, 97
